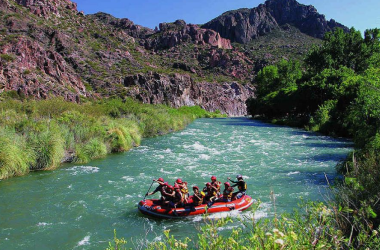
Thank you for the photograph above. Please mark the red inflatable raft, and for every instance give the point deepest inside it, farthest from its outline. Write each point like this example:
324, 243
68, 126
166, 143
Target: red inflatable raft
151, 207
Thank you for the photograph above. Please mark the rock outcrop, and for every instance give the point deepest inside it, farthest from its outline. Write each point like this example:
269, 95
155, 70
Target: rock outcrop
132, 29
173, 34
246, 24
33, 71
45, 8
181, 90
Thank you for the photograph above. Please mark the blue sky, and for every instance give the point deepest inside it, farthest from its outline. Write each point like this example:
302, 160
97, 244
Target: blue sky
360, 14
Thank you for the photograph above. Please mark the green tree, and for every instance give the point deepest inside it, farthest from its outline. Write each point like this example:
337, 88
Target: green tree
345, 49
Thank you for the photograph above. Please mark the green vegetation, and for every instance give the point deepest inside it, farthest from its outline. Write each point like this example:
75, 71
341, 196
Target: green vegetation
312, 227
336, 93
7, 58
39, 135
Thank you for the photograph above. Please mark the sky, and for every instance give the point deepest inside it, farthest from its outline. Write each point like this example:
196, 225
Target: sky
360, 14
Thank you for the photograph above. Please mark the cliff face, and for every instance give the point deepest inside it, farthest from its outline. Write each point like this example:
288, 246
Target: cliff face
181, 90
244, 25
173, 34
46, 8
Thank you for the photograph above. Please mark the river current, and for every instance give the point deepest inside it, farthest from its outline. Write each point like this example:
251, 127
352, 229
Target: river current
79, 206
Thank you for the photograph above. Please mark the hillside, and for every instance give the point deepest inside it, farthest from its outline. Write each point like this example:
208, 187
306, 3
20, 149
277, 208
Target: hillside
49, 48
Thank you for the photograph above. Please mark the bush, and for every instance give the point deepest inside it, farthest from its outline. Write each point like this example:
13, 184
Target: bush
48, 146
7, 58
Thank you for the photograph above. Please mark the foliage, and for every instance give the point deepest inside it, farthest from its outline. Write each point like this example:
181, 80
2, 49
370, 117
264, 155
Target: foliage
15, 157
345, 49
358, 197
312, 227
119, 243
276, 88
338, 94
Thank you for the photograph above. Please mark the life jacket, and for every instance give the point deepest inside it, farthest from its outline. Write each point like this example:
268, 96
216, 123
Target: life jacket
184, 189
227, 193
198, 201
217, 185
210, 192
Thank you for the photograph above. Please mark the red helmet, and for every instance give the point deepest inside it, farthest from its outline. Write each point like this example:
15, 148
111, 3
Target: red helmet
179, 181
213, 178
165, 184
227, 184
195, 187
208, 184
160, 179
170, 187
176, 186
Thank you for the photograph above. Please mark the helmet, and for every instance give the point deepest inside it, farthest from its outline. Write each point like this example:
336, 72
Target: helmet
213, 178
195, 187
160, 179
179, 181
227, 184
165, 184
176, 186
239, 176
170, 187
208, 184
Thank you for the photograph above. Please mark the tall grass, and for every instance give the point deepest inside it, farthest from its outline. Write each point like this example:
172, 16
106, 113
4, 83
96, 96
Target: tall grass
39, 135
49, 148
93, 149
15, 156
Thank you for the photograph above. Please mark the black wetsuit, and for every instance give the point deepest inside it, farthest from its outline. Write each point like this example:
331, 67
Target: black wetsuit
242, 186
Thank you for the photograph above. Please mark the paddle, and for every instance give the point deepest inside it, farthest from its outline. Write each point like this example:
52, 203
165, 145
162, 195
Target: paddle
149, 189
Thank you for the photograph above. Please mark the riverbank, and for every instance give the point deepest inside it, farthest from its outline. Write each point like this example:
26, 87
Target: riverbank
40, 135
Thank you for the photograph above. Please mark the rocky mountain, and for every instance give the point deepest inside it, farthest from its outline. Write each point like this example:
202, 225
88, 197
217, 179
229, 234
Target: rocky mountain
49, 48
244, 25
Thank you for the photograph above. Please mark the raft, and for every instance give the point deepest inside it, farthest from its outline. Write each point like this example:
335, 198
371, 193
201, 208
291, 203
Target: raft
153, 208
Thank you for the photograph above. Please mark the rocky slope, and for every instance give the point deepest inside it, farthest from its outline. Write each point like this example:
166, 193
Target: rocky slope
48, 48
244, 25
181, 90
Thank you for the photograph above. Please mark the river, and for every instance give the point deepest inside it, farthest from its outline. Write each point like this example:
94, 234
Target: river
79, 206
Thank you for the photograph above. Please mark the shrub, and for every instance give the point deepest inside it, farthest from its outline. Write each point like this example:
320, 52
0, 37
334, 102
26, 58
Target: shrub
7, 58
49, 148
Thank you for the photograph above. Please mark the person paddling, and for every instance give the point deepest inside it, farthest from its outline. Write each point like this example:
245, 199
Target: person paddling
197, 197
184, 190
169, 194
227, 192
216, 184
242, 186
211, 193
161, 187
178, 197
